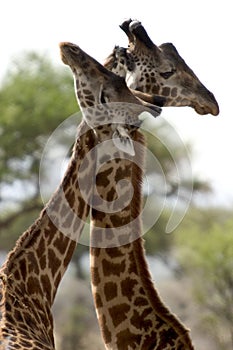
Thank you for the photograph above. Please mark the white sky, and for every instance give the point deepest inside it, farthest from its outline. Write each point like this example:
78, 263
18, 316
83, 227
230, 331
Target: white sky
201, 30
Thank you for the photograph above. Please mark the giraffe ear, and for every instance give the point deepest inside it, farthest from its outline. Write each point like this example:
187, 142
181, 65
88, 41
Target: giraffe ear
153, 99
152, 103
122, 140
154, 110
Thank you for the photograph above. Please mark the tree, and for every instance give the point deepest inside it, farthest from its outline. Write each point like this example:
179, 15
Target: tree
35, 98
205, 250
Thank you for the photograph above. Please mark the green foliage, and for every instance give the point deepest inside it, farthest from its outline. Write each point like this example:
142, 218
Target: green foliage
166, 147
34, 98
205, 251
76, 326
156, 240
18, 223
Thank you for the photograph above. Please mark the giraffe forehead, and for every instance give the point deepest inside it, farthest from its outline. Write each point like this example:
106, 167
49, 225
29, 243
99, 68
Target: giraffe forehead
151, 63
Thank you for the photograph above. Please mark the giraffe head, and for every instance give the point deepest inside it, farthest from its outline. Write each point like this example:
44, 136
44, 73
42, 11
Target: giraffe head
103, 96
159, 70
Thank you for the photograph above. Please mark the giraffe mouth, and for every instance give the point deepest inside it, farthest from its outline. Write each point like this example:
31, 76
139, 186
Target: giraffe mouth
211, 109
66, 51
206, 102
71, 54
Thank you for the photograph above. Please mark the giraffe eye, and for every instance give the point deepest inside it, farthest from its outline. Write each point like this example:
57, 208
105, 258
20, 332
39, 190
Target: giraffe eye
167, 75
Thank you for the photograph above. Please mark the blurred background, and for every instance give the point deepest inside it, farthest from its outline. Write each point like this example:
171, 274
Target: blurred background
191, 267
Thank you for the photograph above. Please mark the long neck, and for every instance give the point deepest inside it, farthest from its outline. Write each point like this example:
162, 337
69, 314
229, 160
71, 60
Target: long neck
33, 270
130, 312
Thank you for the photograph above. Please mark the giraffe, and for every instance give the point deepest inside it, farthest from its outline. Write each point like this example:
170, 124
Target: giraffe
18, 296
130, 311
30, 276
159, 70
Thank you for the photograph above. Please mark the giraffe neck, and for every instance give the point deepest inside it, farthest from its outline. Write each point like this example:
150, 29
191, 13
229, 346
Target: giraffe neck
130, 312
33, 270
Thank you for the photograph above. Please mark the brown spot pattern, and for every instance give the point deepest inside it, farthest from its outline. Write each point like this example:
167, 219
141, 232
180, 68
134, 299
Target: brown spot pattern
54, 262
102, 178
118, 313
114, 252
98, 301
110, 290
166, 91
126, 339
95, 276
110, 268
106, 333
127, 287
139, 321
174, 92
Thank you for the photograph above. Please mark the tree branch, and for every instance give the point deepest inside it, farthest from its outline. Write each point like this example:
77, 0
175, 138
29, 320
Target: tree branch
6, 222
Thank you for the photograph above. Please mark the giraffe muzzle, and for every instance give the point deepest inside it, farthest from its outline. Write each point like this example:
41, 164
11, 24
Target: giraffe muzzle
208, 104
